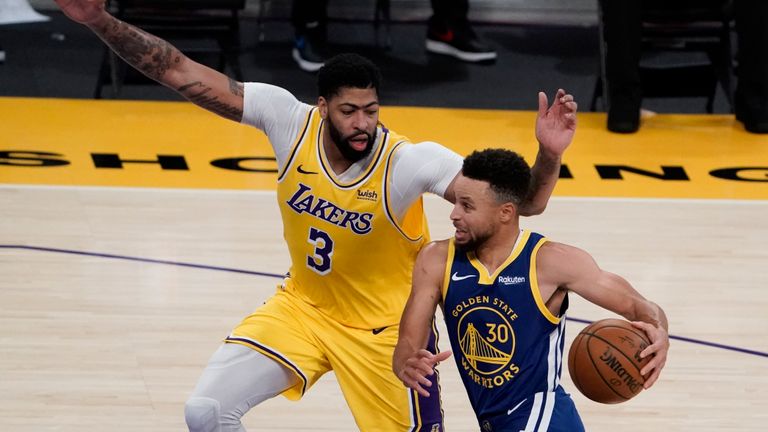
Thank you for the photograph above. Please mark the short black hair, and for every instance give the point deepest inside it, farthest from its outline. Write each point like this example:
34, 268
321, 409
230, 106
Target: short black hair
347, 70
506, 171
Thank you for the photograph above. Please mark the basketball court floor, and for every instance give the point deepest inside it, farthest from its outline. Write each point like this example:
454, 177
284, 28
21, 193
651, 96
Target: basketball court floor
135, 235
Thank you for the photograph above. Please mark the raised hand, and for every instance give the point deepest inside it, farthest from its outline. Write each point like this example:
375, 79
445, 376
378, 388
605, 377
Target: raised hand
82, 11
419, 367
658, 349
556, 125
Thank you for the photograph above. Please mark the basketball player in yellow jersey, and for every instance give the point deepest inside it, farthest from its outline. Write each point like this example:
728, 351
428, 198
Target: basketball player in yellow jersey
350, 192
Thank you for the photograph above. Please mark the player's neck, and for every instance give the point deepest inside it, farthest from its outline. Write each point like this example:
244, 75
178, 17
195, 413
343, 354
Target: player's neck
494, 251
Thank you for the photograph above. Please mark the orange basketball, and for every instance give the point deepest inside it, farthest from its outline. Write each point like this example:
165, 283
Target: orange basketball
604, 361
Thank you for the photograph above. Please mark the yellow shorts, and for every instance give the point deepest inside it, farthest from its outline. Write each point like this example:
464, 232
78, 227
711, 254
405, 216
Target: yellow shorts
310, 343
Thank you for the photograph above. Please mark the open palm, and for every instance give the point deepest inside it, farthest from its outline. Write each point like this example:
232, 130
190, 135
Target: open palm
556, 125
82, 11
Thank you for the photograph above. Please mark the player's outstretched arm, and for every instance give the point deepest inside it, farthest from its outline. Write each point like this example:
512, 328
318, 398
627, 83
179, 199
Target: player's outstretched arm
159, 60
567, 267
555, 127
411, 362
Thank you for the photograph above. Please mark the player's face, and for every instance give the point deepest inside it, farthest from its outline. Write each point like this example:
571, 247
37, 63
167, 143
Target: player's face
352, 117
474, 213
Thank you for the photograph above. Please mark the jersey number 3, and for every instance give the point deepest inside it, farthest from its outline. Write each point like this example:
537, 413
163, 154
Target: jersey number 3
320, 261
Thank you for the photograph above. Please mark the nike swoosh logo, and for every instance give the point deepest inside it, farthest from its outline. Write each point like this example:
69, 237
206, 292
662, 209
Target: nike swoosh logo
455, 277
516, 407
303, 171
378, 330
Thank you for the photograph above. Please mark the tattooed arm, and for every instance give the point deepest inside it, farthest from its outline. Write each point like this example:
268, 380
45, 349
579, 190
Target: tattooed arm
159, 60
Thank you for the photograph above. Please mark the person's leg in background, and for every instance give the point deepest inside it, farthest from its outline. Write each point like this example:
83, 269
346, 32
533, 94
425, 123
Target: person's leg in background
622, 32
751, 18
449, 33
309, 19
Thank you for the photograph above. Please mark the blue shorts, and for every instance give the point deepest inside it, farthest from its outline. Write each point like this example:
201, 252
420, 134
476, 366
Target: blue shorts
546, 411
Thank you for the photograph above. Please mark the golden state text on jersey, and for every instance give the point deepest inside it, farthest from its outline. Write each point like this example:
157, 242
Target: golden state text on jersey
351, 257
506, 343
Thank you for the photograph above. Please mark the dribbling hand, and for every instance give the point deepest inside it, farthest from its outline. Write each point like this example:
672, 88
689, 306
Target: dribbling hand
658, 349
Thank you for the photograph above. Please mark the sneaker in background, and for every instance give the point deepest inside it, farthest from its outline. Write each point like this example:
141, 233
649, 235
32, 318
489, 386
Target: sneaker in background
462, 44
309, 49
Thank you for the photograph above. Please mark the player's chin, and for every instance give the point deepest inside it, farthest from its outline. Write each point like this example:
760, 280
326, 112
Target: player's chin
461, 238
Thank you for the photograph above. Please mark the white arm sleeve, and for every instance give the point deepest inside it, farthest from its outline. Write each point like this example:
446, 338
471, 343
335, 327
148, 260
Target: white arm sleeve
419, 168
277, 112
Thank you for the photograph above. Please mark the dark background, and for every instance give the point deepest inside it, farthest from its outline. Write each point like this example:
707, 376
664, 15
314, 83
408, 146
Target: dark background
60, 59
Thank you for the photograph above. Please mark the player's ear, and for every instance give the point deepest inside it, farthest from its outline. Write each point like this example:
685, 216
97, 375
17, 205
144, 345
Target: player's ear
322, 105
507, 212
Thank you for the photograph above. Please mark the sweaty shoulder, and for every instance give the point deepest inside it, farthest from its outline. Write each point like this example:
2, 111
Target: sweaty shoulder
436, 249
551, 253
277, 112
560, 264
432, 258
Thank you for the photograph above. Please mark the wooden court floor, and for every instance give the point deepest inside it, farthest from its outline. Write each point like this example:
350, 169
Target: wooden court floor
119, 275
93, 338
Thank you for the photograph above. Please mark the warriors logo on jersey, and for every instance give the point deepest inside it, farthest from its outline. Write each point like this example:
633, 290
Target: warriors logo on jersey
507, 344
487, 351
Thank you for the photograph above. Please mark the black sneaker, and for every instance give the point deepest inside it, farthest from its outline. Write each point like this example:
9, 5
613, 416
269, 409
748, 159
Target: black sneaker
307, 54
461, 44
756, 126
623, 122
624, 109
754, 123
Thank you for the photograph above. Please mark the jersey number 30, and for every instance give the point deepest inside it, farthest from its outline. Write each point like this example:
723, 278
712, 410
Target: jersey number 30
320, 261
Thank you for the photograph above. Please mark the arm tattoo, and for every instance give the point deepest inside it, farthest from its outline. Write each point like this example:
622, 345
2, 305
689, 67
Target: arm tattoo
154, 57
236, 87
149, 54
197, 92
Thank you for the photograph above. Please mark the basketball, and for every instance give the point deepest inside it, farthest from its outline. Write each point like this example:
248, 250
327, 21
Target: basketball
604, 361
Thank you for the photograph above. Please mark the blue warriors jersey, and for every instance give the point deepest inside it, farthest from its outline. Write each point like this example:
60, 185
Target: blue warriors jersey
507, 345
351, 257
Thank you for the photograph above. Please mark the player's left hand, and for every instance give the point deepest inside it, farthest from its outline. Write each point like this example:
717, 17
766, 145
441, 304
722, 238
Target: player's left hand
420, 366
658, 349
556, 125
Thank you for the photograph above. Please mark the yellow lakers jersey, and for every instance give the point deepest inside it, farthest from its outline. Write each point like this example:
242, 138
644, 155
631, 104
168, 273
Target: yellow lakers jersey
350, 256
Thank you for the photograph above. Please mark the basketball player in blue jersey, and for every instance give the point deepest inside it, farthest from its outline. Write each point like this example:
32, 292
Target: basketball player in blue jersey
504, 294
349, 192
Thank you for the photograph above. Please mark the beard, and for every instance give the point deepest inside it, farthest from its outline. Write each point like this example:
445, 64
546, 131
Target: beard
472, 242
344, 146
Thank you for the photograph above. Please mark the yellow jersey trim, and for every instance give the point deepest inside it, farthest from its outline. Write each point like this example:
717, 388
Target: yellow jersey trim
535, 291
415, 411
486, 278
416, 421
326, 166
292, 393
436, 333
448, 265
387, 209
296, 146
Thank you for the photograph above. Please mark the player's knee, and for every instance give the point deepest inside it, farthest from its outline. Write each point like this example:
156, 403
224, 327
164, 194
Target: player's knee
202, 414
